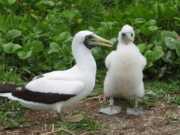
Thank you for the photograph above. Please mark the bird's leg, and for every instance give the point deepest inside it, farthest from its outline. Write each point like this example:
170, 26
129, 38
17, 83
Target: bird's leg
111, 109
61, 116
136, 110
111, 102
136, 103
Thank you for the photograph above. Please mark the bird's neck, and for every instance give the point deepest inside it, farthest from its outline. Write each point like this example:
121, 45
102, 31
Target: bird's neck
84, 59
123, 44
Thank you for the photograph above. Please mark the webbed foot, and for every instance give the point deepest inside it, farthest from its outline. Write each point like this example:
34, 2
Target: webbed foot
110, 110
135, 111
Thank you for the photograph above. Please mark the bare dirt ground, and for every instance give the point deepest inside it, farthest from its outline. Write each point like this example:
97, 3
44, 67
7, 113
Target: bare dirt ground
162, 119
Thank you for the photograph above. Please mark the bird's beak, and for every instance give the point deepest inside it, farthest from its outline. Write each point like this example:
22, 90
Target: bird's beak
97, 40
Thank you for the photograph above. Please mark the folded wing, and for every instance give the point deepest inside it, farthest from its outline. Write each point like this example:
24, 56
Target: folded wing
49, 91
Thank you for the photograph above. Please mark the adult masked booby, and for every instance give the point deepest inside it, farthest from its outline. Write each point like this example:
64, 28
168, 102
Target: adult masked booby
57, 89
124, 77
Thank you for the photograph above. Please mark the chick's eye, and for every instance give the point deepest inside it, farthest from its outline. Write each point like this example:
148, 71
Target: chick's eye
131, 34
123, 34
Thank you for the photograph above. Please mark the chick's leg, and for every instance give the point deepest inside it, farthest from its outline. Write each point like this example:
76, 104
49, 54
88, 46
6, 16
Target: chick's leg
136, 110
111, 109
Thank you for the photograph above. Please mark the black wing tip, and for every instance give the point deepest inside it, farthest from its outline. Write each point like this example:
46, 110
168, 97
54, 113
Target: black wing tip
39, 97
7, 88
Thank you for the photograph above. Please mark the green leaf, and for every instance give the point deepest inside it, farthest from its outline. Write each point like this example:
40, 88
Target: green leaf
14, 33
149, 55
150, 64
11, 47
155, 54
152, 22
10, 2
142, 47
24, 54
172, 34
53, 48
37, 46
139, 20
152, 28
158, 52
150, 46
70, 14
62, 37
48, 3
168, 57
170, 42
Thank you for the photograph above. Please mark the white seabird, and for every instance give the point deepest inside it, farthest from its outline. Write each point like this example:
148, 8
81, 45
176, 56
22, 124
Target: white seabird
124, 77
57, 89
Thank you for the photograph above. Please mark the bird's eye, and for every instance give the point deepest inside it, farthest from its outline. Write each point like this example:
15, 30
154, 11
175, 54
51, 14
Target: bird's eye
89, 37
131, 34
123, 34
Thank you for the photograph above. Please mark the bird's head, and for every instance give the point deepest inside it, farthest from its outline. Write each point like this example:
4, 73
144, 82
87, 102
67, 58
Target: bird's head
90, 40
126, 35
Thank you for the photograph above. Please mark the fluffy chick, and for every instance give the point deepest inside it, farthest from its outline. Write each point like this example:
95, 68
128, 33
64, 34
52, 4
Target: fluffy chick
124, 77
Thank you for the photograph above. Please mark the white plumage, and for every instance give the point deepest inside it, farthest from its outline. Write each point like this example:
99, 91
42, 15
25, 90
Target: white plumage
125, 66
54, 90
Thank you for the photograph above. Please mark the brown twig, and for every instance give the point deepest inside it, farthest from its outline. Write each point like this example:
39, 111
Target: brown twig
100, 98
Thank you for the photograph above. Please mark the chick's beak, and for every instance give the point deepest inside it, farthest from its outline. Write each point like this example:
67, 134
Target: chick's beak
97, 40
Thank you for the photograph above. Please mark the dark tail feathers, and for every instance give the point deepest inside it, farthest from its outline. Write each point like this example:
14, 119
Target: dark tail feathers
7, 88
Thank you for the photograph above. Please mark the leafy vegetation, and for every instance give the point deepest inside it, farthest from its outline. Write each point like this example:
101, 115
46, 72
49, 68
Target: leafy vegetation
35, 36
162, 54
86, 124
167, 91
11, 114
